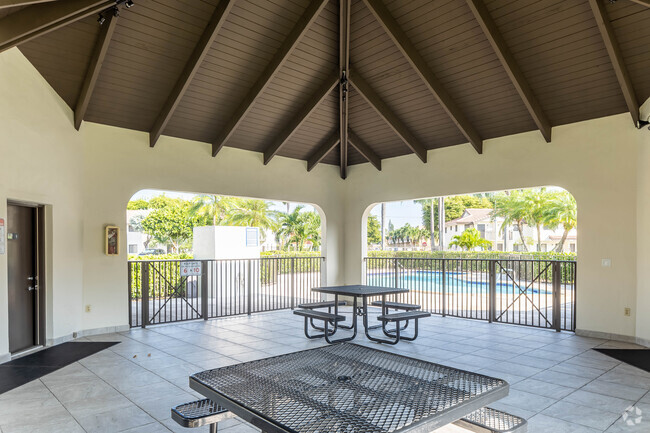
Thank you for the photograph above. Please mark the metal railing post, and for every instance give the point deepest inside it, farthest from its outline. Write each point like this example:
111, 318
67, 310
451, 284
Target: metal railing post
204, 289
557, 295
144, 289
293, 283
249, 287
492, 291
396, 272
444, 287
130, 283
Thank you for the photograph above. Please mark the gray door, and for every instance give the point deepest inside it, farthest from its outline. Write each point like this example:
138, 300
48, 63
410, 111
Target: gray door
21, 256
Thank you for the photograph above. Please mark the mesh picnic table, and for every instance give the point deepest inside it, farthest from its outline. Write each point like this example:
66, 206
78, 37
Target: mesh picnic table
347, 388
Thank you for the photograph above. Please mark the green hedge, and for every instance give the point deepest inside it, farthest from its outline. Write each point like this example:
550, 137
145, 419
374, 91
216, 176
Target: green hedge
168, 266
549, 255
181, 256
478, 262
282, 253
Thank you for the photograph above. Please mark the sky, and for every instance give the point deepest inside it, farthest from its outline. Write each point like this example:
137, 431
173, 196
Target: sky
400, 213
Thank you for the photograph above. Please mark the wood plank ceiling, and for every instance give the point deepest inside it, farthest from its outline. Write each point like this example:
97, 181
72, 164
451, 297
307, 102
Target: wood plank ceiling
340, 82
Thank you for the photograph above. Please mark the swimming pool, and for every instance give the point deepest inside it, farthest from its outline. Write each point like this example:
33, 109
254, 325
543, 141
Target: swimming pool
456, 282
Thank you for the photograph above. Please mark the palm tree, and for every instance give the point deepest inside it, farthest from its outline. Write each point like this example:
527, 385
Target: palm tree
512, 208
470, 239
561, 210
536, 201
299, 227
383, 226
253, 213
211, 207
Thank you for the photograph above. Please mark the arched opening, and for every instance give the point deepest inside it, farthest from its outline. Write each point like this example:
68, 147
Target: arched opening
194, 256
503, 256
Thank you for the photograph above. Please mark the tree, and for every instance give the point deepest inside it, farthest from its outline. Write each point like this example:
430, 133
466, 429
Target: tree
561, 210
383, 225
252, 213
171, 224
161, 201
512, 207
454, 208
535, 205
470, 239
211, 209
299, 227
137, 205
374, 230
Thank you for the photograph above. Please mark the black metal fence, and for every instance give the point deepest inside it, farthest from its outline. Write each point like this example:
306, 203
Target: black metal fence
539, 293
221, 288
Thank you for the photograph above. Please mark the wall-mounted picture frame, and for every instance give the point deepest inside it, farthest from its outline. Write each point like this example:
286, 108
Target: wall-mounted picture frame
112, 234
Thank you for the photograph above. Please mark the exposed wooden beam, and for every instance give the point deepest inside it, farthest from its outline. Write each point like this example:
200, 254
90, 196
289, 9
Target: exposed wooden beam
295, 36
322, 151
13, 3
36, 20
344, 67
101, 48
365, 150
314, 101
420, 66
191, 67
387, 114
645, 3
511, 67
607, 33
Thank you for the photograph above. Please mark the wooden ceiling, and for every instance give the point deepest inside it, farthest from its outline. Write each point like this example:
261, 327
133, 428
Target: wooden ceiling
338, 82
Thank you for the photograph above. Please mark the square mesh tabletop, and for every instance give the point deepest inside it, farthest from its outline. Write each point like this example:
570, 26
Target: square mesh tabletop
347, 388
359, 290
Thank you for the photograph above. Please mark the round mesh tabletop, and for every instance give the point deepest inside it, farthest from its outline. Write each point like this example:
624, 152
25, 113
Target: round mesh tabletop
348, 388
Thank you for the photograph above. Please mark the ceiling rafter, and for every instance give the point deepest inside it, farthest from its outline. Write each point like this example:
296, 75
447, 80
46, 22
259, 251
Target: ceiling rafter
13, 3
645, 3
295, 36
420, 66
365, 150
92, 73
191, 67
616, 58
387, 114
511, 67
307, 108
344, 67
39, 19
323, 150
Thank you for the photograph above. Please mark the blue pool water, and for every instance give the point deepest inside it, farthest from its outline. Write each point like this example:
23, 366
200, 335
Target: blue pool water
457, 282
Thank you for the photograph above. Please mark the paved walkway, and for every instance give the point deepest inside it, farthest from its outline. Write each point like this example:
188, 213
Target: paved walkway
557, 382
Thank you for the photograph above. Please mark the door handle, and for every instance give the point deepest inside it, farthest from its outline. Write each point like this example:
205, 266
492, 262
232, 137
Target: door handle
31, 288
30, 278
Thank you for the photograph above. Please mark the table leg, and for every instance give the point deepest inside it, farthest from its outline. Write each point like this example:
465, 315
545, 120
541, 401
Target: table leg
354, 325
367, 328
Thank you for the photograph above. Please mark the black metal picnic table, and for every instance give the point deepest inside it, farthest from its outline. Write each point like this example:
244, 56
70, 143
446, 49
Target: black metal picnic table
347, 388
364, 292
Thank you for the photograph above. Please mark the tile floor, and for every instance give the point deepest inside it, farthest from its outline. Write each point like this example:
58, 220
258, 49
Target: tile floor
557, 382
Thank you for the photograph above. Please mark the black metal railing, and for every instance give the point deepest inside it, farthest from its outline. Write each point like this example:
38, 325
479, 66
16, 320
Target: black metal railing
539, 293
221, 288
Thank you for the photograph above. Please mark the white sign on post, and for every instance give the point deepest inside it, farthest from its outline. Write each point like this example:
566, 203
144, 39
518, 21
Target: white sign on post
190, 269
3, 237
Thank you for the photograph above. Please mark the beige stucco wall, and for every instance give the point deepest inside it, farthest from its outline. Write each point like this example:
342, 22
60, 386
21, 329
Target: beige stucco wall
40, 160
119, 162
87, 177
597, 161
